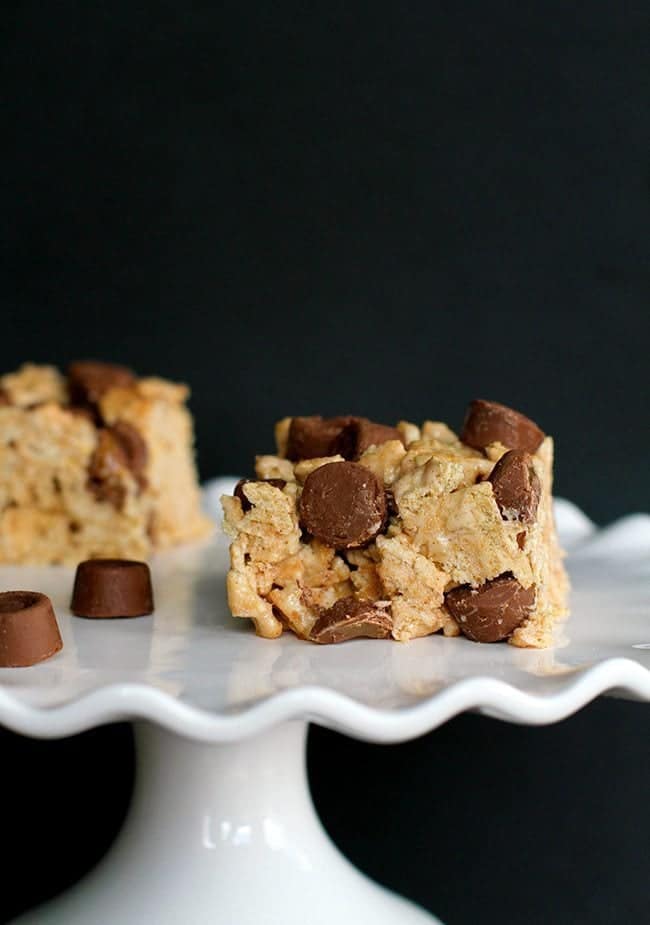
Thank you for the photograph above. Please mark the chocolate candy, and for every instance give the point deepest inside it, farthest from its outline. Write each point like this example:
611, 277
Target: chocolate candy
350, 618
104, 470
313, 437
343, 505
516, 487
134, 448
105, 588
488, 421
118, 447
492, 611
239, 490
29, 632
88, 380
359, 434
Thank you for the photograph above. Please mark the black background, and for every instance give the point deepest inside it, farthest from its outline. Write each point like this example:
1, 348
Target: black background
379, 208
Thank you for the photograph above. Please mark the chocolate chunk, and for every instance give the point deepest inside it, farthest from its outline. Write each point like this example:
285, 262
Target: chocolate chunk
488, 421
312, 437
350, 618
4, 398
239, 490
343, 505
135, 449
105, 588
492, 611
105, 469
118, 447
88, 380
516, 486
360, 434
29, 632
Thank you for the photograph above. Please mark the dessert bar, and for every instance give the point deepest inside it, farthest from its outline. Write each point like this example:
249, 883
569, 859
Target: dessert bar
354, 528
98, 463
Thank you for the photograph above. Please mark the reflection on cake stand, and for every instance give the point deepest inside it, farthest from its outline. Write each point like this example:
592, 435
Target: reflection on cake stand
222, 828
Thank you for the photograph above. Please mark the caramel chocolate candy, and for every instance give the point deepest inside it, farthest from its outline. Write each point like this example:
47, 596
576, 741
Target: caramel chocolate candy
118, 447
88, 380
343, 505
360, 434
313, 437
105, 588
516, 487
350, 618
104, 471
492, 611
488, 421
239, 490
134, 448
29, 632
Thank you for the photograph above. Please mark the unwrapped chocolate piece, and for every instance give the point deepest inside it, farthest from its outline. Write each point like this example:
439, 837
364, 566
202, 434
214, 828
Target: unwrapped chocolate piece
29, 632
107, 588
355, 528
95, 463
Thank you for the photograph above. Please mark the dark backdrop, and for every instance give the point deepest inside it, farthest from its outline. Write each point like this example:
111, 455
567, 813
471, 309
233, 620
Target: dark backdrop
380, 208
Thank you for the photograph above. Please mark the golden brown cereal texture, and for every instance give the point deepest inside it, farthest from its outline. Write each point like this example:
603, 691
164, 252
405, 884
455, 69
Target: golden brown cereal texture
49, 512
282, 436
34, 385
415, 587
445, 530
156, 409
384, 460
408, 432
273, 467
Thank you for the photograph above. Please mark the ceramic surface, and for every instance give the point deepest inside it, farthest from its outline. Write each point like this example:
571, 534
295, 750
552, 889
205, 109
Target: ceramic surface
221, 829
193, 669
225, 835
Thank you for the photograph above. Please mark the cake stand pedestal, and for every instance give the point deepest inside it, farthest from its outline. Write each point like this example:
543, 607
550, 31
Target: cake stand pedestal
222, 829
224, 834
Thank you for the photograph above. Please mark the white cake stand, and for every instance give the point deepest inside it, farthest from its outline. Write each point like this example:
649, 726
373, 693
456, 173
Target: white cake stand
222, 828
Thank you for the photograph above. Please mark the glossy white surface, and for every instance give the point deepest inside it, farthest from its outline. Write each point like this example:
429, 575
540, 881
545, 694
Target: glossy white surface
225, 833
195, 670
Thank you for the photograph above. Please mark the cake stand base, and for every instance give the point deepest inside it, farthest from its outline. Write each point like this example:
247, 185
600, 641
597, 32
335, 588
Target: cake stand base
226, 835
